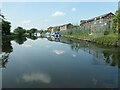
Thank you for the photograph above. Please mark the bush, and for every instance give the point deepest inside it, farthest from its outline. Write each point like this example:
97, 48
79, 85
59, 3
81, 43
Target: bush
106, 32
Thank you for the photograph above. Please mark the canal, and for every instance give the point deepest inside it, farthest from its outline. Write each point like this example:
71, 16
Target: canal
58, 62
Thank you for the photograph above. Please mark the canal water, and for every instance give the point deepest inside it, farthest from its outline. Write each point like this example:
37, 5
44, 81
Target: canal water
58, 63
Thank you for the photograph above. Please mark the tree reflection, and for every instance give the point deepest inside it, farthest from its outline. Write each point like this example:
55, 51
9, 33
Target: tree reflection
110, 55
6, 50
20, 40
33, 37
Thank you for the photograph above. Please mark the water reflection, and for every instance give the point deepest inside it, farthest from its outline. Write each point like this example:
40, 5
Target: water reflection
20, 40
58, 52
6, 50
52, 38
32, 37
36, 77
6, 46
112, 58
70, 63
110, 55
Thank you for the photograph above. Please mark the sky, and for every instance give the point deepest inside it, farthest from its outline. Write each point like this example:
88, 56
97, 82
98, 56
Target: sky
42, 15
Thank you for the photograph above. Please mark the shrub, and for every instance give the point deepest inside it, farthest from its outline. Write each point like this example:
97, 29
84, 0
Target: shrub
106, 32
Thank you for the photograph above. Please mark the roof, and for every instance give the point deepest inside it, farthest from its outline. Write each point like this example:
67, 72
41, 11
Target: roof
98, 17
60, 25
66, 24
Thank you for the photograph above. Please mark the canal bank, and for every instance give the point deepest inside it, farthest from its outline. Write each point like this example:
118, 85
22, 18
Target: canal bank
111, 40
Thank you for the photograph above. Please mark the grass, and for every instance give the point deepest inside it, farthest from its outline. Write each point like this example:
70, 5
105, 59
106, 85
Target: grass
107, 40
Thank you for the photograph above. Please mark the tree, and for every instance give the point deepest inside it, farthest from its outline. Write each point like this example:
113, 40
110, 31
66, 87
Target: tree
116, 21
56, 29
33, 30
19, 31
6, 27
2, 16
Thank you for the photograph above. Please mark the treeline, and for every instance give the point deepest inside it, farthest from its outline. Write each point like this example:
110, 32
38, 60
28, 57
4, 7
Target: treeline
17, 32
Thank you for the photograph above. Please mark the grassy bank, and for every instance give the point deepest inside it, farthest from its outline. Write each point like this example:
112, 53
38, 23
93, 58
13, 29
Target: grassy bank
107, 40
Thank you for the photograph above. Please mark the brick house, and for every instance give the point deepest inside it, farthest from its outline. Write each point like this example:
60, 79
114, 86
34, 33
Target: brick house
98, 24
50, 29
61, 27
65, 26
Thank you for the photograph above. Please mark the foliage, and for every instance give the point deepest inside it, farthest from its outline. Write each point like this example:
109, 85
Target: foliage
19, 31
33, 30
56, 29
73, 30
2, 16
20, 40
107, 40
116, 20
6, 27
106, 32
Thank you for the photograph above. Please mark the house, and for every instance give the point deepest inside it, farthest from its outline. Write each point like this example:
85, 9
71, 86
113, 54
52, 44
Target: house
50, 29
65, 26
98, 24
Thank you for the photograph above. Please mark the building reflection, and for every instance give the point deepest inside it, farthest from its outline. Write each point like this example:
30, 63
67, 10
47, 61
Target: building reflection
52, 38
109, 55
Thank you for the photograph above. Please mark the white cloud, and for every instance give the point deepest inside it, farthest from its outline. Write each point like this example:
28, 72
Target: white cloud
58, 13
74, 55
26, 22
27, 45
58, 52
73, 9
42, 77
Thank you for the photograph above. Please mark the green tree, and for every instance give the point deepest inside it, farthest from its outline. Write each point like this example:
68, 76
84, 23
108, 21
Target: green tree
19, 31
56, 29
2, 16
6, 27
33, 30
116, 21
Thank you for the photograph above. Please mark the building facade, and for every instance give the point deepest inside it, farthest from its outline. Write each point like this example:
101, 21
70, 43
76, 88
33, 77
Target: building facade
65, 26
98, 24
61, 27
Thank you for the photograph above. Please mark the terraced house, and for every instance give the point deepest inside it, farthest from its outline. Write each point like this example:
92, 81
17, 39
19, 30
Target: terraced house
66, 26
98, 24
61, 27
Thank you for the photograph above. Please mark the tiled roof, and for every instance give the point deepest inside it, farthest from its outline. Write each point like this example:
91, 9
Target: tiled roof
98, 17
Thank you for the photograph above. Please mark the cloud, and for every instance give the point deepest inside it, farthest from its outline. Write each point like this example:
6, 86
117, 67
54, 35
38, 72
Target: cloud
58, 52
47, 46
58, 13
27, 45
26, 22
73, 9
74, 55
38, 77
94, 81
